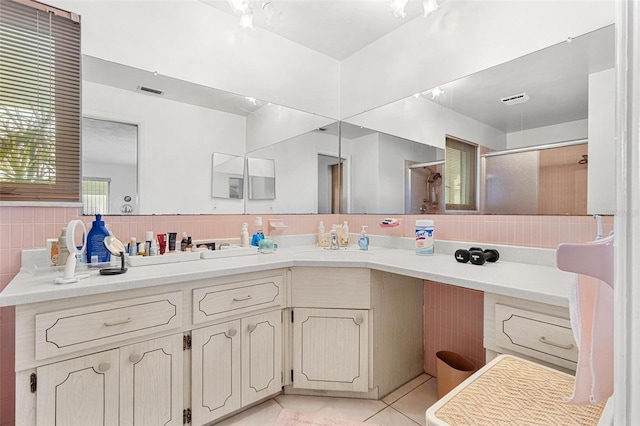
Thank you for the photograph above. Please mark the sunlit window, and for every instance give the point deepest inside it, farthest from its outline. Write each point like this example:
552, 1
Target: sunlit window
460, 175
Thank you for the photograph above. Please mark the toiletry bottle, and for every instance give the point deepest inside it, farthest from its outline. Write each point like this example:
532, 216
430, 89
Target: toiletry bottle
424, 237
148, 237
95, 241
323, 238
189, 244
255, 238
63, 250
345, 234
184, 242
244, 235
153, 248
363, 239
133, 247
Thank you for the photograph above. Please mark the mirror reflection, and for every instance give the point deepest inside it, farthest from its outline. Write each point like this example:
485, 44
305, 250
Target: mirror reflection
560, 94
227, 179
262, 178
180, 124
109, 167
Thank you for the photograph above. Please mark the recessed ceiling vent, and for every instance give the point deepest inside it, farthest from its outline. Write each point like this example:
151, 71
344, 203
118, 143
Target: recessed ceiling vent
150, 90
515, 99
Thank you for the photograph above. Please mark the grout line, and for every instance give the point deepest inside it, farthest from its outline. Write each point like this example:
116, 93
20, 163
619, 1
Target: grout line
376, 413
404, 415
411, 390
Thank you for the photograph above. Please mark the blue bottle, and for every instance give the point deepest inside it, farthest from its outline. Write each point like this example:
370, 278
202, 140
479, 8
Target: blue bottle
363, 239
95, 241
255, 239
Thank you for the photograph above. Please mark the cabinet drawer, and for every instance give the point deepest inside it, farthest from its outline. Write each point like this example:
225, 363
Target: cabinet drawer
214, 302
542, 336
74, 329
330, 288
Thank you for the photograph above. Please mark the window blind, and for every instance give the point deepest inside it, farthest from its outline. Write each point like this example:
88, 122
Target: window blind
460, 175
40, 109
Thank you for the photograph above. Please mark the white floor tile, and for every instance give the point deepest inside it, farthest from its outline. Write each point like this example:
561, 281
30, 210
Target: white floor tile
340, 408
391, 417
261, 415
405, 389
415, 403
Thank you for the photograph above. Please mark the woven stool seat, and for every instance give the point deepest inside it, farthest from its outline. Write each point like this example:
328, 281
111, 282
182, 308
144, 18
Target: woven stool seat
512, 391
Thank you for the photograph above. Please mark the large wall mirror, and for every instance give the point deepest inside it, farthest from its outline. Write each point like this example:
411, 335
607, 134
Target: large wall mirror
179, 125
539, 127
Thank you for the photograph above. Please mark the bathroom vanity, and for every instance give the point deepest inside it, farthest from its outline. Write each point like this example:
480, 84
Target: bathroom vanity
197, 341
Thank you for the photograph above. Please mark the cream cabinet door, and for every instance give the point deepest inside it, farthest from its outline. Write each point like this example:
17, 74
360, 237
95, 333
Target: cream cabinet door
331, 349
215, 371
261, 356
81, 391
151, 382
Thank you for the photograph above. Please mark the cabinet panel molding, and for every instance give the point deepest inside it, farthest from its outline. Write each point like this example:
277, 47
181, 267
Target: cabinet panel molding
215, 353
210, 303
331, 349
74, 329
151, 382
81, 391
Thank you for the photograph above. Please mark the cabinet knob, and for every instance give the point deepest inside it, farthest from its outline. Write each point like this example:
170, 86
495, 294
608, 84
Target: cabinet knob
232, 332
104, 366
252, 327
135, 358
359, 320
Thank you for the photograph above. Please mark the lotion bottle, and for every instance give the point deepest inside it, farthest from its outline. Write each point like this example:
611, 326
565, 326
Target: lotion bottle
345, 234
363, 239
244, 235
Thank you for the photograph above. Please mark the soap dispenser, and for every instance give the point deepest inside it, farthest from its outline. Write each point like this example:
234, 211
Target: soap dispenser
345, 234
363, 239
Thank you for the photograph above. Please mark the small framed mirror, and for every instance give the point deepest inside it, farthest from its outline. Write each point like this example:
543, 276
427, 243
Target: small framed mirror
262, 178
227, 177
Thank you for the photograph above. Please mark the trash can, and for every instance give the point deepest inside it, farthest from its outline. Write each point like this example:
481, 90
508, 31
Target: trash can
451, 369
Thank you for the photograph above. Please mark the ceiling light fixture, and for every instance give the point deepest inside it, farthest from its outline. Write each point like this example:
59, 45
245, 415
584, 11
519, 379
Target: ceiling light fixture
430, 6
397, 8
436, 92
251, 100
248, 8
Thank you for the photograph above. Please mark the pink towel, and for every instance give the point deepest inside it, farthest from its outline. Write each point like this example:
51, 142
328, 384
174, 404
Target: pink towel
591, 311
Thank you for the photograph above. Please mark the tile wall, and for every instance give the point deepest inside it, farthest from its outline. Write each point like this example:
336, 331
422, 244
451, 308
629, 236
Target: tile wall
29, 227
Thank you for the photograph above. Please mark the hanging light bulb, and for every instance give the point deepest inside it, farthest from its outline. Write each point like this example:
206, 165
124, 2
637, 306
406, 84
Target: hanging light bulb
246, 21
397, 7
429, 6
239, 6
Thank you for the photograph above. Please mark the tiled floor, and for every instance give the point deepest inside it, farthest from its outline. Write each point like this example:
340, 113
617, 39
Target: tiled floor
405, 406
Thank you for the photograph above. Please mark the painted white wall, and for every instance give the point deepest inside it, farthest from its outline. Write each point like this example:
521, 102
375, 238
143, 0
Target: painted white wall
601, 172
274, 123
176, 147
562, 132
461, 38
194, 42
296, 165
427, 122
363, 155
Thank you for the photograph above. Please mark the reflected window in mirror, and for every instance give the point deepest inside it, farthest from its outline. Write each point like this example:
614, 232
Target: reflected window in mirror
109, 167
460, 174
95, 195
262, 178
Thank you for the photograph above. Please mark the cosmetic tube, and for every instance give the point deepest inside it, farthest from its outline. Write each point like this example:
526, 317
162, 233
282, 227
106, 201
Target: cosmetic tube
172, 241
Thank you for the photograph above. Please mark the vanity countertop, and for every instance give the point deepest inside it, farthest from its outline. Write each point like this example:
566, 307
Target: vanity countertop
543, 284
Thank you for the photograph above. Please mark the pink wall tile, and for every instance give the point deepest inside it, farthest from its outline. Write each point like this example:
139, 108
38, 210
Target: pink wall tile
453, 319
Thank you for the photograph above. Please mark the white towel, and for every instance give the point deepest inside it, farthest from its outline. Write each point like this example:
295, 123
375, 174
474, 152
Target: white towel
591, 311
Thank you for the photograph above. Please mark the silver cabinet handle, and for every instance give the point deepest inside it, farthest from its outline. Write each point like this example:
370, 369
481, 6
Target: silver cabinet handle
135, 358
240, 299
233, 332
112, 323
359, 320
104, 366
252, 327
557, 345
